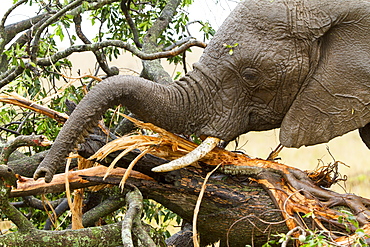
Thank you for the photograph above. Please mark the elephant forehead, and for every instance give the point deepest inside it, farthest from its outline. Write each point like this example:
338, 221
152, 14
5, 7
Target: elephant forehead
277, 19
270, 25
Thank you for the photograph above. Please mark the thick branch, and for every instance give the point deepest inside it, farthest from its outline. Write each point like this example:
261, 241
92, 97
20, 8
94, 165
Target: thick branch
162, 22
134, 209
132, 221
26, 166
108, 236
120, 44
125, 6
227, 200
13, 29
6, 182
105, 208
15, 216
27, 186
153, 70
20, 141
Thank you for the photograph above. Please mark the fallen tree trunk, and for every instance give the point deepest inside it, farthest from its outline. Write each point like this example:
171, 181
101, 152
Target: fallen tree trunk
231, 208
246, 202
234, 208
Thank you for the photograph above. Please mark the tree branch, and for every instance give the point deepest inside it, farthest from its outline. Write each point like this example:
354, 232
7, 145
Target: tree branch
59, 210
20, 141
27, 186
161, 23
92, 6
153, 70
106, 207
12, 73
125, 6
7, 180
108, 236
118, 43
98, 54
132, 221
49, 21
7, 13
14, 29
8, 76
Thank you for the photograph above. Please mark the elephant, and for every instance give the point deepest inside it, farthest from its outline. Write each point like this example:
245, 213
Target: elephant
299, 65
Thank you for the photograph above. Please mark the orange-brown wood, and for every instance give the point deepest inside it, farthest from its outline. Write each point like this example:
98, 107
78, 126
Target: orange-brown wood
28, 186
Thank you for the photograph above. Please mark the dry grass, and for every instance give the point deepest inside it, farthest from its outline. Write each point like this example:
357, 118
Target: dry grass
5, 226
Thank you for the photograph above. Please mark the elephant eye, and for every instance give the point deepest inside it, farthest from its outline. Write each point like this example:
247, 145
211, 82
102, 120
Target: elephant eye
250, 74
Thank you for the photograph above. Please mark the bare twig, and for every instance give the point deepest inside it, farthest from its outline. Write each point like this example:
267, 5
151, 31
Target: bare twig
290, 234
101, 59
21, 141
197, 206
190, 23
7, 13
48, 22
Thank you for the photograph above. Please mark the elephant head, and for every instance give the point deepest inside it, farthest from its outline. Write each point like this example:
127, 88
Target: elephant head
301, 65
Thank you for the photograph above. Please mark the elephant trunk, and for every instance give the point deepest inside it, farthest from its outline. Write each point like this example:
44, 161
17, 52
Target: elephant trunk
165, 106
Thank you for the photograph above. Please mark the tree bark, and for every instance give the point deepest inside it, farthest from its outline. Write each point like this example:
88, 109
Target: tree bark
235, 209
108, 235
231, 204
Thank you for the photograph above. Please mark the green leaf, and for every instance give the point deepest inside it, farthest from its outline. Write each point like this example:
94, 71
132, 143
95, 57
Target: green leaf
85, 5
59, 32
360, 232
21, 63
32, 64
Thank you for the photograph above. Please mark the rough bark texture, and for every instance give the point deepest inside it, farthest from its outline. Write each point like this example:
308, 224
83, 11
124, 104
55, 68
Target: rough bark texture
103, 236
227, 200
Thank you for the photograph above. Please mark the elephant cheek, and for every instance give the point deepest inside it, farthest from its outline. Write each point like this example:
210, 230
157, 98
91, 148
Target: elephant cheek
224, 128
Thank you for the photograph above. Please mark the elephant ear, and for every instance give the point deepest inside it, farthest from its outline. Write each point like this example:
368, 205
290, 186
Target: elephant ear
335, 98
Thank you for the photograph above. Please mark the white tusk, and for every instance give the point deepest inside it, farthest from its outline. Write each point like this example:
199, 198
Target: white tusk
202, 150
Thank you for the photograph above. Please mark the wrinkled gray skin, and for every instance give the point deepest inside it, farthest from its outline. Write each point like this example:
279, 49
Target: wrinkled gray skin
301, 65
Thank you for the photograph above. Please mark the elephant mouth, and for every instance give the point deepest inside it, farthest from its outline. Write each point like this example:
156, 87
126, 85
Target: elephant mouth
230, 125
264, 118
259, 121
